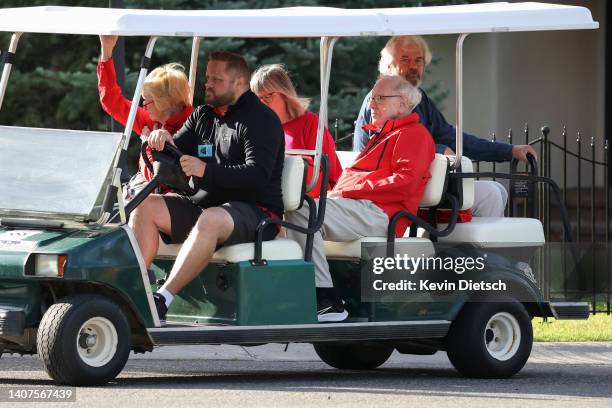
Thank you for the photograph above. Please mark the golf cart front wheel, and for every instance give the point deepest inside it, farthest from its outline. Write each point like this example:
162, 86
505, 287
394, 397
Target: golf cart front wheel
353, 356
83, 340
490, 339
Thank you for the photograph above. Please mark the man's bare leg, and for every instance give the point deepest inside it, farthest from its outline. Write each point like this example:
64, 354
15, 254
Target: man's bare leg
147, 220
214, 226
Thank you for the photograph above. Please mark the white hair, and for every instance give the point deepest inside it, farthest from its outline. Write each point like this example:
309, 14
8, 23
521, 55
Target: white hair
387, 54
403, 87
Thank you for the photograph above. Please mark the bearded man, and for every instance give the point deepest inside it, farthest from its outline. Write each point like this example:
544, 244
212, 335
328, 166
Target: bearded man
409, 56
234, 149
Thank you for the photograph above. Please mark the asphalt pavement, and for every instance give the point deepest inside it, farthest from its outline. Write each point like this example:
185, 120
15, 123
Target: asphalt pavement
557, 374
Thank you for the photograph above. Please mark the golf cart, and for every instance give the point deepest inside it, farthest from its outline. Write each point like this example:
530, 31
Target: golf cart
75, 290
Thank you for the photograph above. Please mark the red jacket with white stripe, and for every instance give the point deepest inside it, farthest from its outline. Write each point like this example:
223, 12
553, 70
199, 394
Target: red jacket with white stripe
118, 107
392, 169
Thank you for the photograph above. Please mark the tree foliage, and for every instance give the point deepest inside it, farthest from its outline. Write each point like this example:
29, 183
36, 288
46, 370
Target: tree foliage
53, 83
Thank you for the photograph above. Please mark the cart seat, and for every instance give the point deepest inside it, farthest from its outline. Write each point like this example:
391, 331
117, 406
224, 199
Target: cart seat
414, 247
277, 249
292, 184
492, 232
432, 196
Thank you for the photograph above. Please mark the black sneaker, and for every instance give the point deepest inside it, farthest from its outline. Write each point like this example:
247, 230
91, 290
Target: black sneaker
160, 305
330, 308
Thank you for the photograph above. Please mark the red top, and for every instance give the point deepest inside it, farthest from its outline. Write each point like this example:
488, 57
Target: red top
443, 215
301, 133
118, 107
392, 169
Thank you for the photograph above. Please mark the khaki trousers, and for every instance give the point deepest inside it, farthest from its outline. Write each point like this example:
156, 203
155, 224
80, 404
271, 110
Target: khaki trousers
345, 220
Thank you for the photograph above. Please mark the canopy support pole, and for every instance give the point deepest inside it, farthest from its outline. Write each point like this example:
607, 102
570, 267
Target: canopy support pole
193, 67
326, 51
129, 124
459, 101
127, 132
6, 72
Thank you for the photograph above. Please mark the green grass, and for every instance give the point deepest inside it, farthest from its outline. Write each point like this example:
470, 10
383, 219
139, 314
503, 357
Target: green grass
596, 328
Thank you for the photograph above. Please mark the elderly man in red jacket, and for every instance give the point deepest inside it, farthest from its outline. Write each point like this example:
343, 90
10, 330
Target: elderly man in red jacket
388, 176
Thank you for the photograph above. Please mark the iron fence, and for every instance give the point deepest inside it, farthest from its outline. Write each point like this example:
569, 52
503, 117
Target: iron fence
585, 273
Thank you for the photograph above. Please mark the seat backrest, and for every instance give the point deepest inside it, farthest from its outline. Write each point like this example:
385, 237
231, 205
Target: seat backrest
346, 157
293, 182
468, 184
439, 177
436, 186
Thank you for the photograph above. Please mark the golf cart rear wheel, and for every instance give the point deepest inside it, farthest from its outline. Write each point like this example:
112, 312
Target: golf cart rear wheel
83, 340
353, 356
490, 339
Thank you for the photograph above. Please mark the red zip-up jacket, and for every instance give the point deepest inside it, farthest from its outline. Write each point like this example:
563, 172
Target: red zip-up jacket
118, 107
301, 133
392, 169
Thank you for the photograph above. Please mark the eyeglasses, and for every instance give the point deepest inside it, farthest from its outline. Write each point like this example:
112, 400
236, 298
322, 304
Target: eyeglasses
267, 97
381, 98
147, 103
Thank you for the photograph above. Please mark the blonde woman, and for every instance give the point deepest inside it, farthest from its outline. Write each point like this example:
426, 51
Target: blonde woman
166, 100
271, 83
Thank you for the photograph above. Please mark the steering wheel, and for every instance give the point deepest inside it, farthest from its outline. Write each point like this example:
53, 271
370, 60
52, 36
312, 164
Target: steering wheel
168, 168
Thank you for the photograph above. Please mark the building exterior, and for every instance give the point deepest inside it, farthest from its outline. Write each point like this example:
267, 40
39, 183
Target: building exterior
539, 78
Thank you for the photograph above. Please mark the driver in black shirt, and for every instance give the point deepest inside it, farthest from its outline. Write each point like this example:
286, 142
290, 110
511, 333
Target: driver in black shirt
234, 149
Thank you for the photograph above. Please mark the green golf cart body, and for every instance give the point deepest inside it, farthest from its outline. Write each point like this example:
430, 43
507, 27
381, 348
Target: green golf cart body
74, 287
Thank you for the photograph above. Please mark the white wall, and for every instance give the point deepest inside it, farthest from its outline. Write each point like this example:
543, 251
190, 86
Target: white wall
540, 78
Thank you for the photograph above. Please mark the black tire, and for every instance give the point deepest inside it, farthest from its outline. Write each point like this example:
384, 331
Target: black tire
60, 340
477, 350
353, 356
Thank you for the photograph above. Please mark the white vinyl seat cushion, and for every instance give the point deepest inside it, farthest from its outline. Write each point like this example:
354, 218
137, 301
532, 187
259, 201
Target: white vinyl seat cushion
274, 250
352, 249
468, 184
435, 186
346, 157
292, 182
491, 232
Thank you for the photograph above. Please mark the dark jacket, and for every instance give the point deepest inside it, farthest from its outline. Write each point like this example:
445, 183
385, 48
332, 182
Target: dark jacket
443, 133
249, 153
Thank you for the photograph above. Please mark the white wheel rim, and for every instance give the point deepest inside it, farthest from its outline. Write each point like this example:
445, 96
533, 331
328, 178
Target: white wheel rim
97, 341
502, 336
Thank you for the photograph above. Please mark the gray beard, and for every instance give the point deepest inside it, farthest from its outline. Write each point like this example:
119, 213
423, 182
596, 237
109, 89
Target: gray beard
417, 82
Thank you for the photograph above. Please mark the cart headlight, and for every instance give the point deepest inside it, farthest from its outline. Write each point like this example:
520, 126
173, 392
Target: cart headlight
49, 265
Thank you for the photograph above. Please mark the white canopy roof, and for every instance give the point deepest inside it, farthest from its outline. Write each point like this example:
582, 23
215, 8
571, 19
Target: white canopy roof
297, 21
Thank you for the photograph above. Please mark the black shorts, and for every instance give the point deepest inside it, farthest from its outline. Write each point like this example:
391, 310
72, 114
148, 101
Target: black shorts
184, 214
